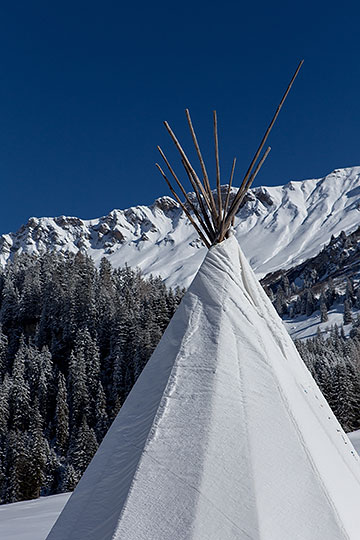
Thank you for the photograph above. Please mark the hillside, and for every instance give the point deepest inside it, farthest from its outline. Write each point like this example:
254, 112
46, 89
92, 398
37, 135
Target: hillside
321, 291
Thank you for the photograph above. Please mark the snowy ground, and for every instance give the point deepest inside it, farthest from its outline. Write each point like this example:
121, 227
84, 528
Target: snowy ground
30, 520
303, 327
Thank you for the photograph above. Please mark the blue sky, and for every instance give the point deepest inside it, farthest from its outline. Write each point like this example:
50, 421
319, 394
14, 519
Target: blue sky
85, 87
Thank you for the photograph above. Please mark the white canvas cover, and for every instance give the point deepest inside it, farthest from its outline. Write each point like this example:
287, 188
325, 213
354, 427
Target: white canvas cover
225, 435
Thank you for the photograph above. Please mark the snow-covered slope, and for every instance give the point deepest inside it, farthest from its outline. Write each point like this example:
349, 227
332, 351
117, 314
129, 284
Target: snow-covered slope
277, 227
30, 520
225, 434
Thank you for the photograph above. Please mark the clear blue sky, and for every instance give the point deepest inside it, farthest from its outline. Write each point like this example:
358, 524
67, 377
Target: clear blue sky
85, 87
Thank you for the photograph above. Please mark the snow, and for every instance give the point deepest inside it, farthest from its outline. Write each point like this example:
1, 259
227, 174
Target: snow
304, 327
224, 435
278, 227
355, 439
30, 520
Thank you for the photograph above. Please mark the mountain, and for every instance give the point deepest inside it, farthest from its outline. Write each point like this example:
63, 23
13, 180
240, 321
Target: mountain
321, 291
277, 227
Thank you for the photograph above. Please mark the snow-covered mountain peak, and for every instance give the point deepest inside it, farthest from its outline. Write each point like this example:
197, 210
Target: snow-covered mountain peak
277, 227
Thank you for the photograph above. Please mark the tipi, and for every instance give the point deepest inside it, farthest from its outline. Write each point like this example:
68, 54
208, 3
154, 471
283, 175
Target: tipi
225, 435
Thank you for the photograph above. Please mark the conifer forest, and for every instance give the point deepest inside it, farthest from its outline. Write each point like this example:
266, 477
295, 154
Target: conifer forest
73, 340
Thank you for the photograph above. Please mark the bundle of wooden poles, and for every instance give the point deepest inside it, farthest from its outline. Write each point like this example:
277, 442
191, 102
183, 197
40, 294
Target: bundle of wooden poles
212, 218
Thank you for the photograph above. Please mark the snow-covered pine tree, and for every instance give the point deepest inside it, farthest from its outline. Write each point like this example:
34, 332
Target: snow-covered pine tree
3, 353
36, 454
347, 312
62, 417
101, 420
323, 312
83, 447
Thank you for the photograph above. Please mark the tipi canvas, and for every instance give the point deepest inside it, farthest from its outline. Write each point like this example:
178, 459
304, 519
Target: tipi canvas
225, 435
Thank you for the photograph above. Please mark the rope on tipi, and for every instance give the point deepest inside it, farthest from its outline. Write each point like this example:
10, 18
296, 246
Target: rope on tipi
212, 218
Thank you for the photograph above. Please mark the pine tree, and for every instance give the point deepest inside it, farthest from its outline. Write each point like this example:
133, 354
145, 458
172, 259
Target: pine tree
118, 369
9, 314
347, 312
105, 275
36, 456
101, 417
349, 292
30, 301
323, 312
280, 302
18, 466
303, 302
344, 404
87, 346
31, 358
20, 397
62, 417
83, 447
51, 470
84, 293
286, 286
3, 353
78, 389
5, 393
69, 479
310, 303
330, 293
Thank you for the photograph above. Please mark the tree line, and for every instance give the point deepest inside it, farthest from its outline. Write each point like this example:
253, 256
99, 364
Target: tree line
73, 340
320, 282
289, 300
334, 362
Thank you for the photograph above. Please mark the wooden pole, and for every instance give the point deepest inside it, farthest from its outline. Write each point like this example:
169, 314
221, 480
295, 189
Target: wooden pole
233, 210
221, 215
210, 232
222, 228
263, 141
258, 167
218, 186
185, 158
229, 186
210, 229
206, 242
203, 167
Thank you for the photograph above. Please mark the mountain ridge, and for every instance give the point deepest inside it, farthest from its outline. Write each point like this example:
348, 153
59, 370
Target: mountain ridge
277, 227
